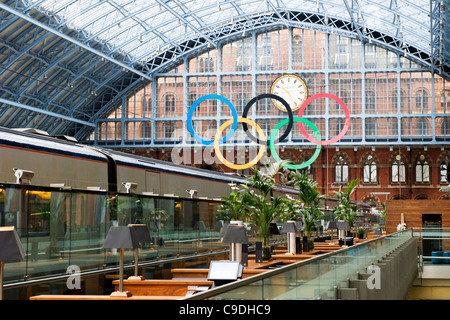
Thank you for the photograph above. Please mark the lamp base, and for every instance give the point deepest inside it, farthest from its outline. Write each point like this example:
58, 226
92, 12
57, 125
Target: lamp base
136, 278
122, 294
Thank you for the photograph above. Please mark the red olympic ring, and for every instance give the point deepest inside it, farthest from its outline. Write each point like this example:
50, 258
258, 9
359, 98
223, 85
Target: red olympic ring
344, 129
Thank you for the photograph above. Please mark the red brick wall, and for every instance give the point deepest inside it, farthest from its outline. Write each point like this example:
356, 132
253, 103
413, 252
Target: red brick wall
324, 167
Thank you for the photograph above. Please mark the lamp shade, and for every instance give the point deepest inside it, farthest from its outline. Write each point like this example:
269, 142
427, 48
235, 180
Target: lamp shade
11, 248
121, 237
332, 225
273, 229
200, 225
299, 225
224, 229
289, 227
235, 234
343, 225
141, 232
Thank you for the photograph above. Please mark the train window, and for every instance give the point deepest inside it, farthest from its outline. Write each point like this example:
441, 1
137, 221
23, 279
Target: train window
70, 226
39, 208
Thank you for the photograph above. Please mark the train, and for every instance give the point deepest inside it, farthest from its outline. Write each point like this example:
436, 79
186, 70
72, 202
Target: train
35, 158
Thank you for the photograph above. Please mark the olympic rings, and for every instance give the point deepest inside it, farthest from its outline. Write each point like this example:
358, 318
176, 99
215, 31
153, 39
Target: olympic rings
344, 129
191, 112
271, 96
239, 166
270, 142
295, 166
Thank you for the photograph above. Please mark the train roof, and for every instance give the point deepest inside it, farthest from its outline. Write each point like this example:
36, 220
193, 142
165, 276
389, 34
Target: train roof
40, 141
127, 159
123, 158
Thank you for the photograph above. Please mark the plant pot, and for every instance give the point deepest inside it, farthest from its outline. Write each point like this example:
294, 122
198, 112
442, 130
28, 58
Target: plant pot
310, 244
266, 253
361, 236
305, 244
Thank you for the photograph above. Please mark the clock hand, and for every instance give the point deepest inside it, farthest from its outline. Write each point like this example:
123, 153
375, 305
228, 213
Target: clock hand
289, 94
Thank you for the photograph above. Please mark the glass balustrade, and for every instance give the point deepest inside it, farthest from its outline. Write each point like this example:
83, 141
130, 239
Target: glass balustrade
61, 228
315, 278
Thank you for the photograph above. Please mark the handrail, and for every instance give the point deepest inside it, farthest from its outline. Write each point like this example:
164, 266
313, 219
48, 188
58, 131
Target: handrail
427, 234
271, 273
116, 268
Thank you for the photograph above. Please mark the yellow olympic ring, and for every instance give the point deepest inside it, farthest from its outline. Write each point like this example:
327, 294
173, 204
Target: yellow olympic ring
239, 166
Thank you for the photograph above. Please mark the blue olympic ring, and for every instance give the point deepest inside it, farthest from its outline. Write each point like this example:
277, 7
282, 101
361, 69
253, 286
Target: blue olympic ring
200, 100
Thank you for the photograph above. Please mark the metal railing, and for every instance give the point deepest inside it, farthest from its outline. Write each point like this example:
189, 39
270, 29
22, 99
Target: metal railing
433, 246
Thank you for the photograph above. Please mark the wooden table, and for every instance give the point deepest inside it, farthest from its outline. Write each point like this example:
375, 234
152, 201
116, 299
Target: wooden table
162, 287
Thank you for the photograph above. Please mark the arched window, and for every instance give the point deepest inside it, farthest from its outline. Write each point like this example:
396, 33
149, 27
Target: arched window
445, 173
206, 64
371, 201
264, 51
297, 49
422, 127
398, 102
398, 170
147, 130
370, 170
309, 170
242, 100
371, 127
421, 101
191, 99
169, 128
169, 102
341, 170
422, 169
147, 106
446, 127
370, 102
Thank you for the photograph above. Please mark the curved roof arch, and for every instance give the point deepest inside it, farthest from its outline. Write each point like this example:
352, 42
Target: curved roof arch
62, 62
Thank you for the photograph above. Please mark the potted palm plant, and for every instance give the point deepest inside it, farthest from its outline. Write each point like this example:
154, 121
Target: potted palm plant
310, 197
235, 206
265, 208
346, 209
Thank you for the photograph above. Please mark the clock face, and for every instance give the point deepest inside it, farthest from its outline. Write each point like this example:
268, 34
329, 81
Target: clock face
292, 89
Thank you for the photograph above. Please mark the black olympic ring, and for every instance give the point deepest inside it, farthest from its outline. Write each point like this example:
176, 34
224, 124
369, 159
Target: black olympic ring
271, 96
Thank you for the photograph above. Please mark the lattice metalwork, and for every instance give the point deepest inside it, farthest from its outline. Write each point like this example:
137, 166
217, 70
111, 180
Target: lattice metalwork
392, 100
64, 64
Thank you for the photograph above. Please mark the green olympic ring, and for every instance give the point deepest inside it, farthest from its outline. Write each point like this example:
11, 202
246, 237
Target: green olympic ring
306, 163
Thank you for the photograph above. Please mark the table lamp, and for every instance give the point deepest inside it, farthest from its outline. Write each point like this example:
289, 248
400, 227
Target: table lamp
142, 235
235, 234
273, 229
332, 225
290, 228
344, 226
10, 250
121, 238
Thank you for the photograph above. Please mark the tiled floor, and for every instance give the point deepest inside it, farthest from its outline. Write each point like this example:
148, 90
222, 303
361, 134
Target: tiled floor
436, 271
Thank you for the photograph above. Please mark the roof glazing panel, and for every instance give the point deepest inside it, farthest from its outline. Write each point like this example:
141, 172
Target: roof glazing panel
139, 28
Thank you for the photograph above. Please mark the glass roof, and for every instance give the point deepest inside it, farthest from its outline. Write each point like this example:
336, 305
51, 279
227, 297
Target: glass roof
64, 61
142, 28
